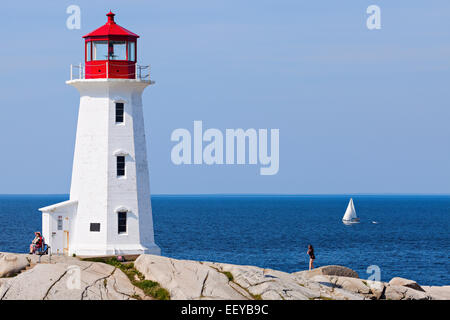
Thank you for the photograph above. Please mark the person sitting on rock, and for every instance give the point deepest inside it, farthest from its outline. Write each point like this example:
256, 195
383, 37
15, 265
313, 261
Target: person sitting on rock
36, 243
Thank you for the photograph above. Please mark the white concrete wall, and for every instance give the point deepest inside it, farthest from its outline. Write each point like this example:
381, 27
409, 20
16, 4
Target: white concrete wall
90, 168
142, 181
46, 227
94, 180
54, 237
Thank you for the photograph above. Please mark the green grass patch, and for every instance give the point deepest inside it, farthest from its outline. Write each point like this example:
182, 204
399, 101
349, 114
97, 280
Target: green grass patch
152, 288
229, 275
96, 259
321, 298
11, 275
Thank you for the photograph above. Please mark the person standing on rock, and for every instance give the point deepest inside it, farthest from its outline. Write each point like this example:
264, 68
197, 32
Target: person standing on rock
311, 256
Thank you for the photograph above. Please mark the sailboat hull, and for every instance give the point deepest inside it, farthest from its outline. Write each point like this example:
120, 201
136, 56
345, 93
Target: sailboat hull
351, 221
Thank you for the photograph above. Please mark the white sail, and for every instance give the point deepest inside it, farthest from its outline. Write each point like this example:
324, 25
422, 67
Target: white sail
350, 213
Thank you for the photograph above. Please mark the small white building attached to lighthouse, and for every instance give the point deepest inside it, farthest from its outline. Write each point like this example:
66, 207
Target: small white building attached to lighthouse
109, 210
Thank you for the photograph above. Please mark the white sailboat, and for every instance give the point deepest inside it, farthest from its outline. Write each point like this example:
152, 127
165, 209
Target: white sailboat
350, 214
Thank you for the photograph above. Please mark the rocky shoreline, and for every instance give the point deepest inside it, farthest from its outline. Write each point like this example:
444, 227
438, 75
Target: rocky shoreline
22, 277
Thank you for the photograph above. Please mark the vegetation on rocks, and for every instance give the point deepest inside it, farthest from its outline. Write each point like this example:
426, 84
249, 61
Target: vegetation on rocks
229, 275
150, 288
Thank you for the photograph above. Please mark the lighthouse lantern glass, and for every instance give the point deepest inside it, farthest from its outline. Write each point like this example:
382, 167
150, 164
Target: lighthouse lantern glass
88, 51
100, 51
132, 51
117, 50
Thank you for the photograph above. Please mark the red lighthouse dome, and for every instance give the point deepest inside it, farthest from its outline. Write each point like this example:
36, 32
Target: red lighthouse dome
110, 52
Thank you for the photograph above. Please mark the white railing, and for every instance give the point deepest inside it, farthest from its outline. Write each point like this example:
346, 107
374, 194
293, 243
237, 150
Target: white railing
78, 69
143, 72
79, 72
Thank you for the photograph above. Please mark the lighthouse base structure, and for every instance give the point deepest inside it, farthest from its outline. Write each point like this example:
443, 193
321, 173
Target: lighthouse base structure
109, 211
120, 250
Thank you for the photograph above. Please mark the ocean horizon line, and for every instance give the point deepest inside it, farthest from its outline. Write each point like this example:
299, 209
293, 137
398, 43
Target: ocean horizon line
249, 194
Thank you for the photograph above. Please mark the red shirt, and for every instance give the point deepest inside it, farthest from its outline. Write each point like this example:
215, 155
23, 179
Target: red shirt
39, 242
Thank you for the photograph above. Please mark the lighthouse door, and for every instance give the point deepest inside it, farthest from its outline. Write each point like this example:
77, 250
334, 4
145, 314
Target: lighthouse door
66, 236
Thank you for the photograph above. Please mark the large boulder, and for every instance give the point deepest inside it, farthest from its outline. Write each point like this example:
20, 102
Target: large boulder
11, 264
207, 280
268, 284
63, 281
394, 292
355, 285
377, 288
397, 281
185, 279
438, 293
332, 270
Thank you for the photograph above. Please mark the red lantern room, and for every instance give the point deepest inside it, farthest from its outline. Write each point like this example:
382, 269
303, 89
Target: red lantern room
110, 52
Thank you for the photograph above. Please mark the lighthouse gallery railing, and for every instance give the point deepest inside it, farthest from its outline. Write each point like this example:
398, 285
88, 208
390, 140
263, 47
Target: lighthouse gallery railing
79, 72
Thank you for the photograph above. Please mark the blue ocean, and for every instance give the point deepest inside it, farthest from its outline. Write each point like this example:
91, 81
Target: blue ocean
409, 239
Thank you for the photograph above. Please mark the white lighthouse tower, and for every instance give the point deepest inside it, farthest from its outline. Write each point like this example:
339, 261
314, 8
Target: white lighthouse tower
109, 210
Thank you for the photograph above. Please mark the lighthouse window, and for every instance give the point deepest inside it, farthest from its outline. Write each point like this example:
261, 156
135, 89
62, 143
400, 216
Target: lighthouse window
100, 50
88, 51
117, 50
122, 222
131, 51
120, 166
60, 223
95, 227
119, 112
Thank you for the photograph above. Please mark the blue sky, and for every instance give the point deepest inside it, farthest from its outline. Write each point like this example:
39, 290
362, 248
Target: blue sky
359, 111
